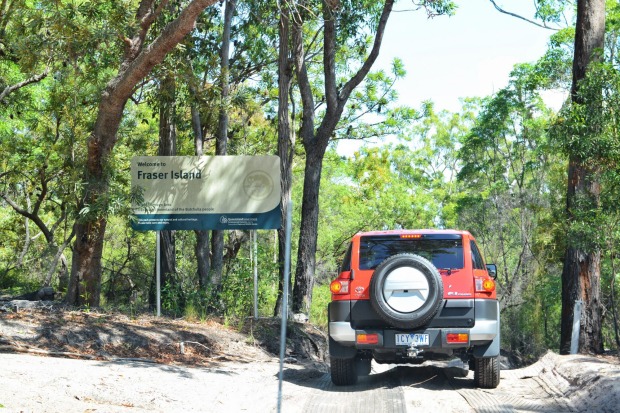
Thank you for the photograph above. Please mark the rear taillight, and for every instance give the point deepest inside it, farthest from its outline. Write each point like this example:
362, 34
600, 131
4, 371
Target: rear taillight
372, 338
485, 285
455, 338
339, 286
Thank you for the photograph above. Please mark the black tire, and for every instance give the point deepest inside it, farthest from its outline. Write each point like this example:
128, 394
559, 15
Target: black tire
411, 307
343, 371
486, 372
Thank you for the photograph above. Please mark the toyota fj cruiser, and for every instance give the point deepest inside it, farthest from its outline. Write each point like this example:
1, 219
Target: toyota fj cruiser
407, 296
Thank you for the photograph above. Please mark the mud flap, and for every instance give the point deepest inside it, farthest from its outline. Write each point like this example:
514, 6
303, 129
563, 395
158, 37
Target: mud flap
337, 350
488, 350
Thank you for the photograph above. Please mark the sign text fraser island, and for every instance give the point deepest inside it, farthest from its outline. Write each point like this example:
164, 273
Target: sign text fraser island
141, 174
169, 175
207, 192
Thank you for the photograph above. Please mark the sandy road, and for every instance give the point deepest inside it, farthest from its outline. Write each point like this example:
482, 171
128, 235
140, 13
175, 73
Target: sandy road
42, 384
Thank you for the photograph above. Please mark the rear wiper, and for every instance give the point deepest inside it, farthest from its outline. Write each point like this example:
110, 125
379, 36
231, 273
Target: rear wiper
448, 270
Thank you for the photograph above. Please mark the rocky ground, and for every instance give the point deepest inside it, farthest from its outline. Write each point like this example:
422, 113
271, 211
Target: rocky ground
45, 328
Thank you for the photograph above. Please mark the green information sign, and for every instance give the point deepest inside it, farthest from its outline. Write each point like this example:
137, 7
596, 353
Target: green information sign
207, 192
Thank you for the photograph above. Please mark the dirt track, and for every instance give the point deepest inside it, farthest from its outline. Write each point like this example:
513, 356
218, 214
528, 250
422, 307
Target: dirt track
44, 384
122, 364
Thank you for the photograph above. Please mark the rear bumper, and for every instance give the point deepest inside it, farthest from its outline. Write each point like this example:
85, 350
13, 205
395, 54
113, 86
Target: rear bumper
342, 332
477, 318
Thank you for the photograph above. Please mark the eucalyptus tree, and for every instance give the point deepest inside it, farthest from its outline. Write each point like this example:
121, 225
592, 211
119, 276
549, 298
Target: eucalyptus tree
345, 27
167, 146
581, 270
139, 58
592, 227
581, 273
45, 116
589, 128
583, 132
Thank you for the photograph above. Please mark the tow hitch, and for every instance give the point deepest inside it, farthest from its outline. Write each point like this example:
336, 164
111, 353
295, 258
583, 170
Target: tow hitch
413, 351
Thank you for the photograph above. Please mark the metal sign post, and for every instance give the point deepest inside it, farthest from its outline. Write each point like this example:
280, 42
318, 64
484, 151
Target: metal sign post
158, 270
287, 264
255, 265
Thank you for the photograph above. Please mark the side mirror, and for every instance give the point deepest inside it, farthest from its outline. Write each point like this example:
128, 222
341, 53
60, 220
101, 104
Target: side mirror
492, 270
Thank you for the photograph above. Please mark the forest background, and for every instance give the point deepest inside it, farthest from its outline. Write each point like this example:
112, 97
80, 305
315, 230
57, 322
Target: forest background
85, 86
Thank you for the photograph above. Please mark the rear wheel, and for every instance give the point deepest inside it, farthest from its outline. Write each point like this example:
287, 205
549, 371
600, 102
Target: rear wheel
486, 372
343, 371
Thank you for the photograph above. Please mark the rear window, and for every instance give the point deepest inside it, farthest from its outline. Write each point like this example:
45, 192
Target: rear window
444, 251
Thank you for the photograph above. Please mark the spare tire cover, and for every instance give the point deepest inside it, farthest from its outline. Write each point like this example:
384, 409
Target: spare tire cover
406, 290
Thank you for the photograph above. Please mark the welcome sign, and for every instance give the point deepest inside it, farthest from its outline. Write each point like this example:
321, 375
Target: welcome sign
206, 192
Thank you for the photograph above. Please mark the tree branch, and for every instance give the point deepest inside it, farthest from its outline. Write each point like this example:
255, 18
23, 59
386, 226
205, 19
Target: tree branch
34, 79
499, 9
374, 53
307, 124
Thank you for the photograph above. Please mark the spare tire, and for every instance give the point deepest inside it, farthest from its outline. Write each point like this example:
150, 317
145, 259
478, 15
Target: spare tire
406, 291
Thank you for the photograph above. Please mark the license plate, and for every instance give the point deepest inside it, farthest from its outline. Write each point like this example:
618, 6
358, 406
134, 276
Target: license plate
415, 339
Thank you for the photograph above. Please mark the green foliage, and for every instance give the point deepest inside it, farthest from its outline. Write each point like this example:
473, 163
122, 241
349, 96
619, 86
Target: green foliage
18, 281
441, 7
321, 296
129, 278
588, 127
550, 11
534, 326
586, 130
509, 204
406, 184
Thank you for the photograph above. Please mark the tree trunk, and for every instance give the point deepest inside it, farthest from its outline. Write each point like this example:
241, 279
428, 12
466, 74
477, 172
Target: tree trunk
306, 255
581, 272
315, 141
202, 247
63, 274
138, 61
236, 239
85, 280
612, 300
286, 144
217, 248
168, 257
27, 240
59, 256
167, 147
201, 250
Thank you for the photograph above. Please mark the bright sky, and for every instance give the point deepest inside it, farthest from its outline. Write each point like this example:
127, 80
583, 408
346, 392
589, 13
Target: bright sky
468, 54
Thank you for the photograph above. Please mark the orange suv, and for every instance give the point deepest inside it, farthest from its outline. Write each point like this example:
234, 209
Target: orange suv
407, 296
